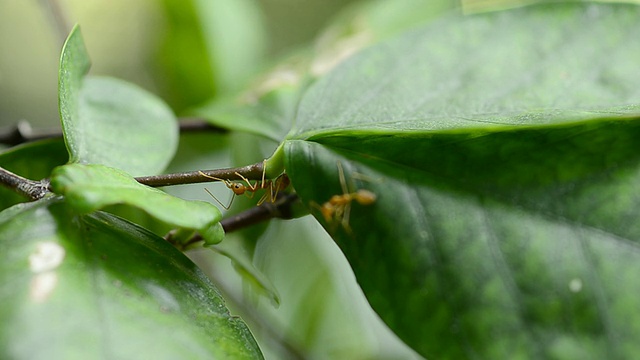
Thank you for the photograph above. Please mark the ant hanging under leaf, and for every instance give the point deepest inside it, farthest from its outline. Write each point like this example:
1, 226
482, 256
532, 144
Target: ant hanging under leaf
238, 188
338, 207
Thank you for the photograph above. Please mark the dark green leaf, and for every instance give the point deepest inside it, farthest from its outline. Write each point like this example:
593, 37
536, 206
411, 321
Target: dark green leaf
503, 152
96, 287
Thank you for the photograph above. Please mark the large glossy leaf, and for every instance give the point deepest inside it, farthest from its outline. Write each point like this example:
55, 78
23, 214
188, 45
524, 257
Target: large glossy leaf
92, 187
96, 287
503, 152
111, 122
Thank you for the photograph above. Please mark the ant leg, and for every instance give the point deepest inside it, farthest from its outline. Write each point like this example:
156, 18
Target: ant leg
252, 188
266, 195
345, 218
343, 182
225, 181
233, 196
263, 185
280, 183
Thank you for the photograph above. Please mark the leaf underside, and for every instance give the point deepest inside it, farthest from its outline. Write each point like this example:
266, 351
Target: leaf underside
503, 152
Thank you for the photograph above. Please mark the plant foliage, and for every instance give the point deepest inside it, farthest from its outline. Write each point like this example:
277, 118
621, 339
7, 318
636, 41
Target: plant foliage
499, 152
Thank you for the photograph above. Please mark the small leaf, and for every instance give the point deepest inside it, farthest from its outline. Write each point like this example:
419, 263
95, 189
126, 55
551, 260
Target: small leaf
89, 188
95, 286
111, 122
74, 65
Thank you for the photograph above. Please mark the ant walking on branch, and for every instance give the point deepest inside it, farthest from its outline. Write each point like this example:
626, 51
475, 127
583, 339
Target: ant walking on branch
273, 187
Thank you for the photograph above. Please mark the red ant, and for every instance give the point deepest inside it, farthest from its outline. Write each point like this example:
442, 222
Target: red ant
238, 188
338, 207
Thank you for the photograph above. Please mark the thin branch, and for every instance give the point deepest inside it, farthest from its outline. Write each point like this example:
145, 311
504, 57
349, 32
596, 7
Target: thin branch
281, 209
22, 131
33, 190
252, 172
196, 125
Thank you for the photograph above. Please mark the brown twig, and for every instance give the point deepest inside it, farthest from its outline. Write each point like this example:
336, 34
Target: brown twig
281, 209
252, 172
33, 190
22, 131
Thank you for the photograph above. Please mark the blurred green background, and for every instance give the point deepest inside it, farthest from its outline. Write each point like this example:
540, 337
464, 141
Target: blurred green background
131, 40
189, 52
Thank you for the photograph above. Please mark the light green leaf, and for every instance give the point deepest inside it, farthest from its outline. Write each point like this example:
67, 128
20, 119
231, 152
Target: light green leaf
268, 115
339, 324
502, 149
89, 188
111, 122
95, 286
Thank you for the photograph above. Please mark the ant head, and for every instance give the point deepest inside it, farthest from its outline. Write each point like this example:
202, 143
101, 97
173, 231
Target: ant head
237, 188
327, 211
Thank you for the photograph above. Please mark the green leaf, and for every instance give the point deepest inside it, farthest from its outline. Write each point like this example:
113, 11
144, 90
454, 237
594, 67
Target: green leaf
268, 115
337, 325
502, 149
111, 122
96, 287
89, 188
74, 66
520, 80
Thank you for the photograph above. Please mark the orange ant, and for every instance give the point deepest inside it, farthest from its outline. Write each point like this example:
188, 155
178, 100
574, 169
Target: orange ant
338, 207
238, 188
